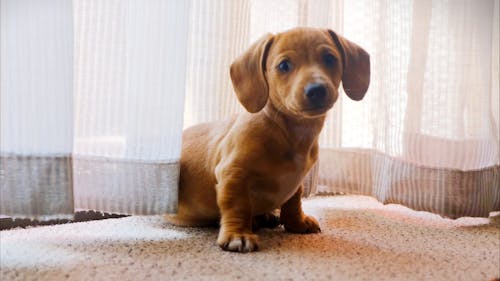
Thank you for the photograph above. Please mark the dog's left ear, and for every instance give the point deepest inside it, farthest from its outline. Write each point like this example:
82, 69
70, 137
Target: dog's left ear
356, 67
248, 75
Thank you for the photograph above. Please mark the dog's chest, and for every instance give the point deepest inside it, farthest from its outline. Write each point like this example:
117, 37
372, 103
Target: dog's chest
293, 171
276, 188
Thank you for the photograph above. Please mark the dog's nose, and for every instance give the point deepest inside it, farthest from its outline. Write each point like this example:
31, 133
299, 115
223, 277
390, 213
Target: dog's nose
315, 92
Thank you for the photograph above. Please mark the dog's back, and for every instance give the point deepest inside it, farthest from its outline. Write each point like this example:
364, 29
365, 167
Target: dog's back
196, 173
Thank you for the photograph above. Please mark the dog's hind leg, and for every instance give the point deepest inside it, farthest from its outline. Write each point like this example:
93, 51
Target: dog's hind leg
268, 220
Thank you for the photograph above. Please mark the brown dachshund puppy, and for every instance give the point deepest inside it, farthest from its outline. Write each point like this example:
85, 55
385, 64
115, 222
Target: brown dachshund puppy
254, 163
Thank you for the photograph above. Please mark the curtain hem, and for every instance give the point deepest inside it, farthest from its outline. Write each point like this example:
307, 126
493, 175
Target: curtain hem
449, 193
36, 187
125, 187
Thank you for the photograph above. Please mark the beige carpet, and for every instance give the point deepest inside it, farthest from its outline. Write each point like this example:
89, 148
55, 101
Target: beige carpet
361, 240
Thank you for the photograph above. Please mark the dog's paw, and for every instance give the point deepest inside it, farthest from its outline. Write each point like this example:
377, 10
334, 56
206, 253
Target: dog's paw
269, 220
238, 242
307, 225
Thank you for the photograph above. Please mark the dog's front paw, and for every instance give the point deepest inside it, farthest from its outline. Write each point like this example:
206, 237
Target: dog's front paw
307, 224
238, 242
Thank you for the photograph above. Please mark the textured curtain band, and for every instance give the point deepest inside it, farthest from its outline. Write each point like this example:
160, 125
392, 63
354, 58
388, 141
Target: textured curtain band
310, 181
450, 193
36, 187
125, 186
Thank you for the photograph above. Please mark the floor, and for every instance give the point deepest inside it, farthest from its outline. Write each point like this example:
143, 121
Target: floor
361, 239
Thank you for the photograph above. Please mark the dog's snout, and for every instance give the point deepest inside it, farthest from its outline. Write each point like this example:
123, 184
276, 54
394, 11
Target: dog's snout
315, 92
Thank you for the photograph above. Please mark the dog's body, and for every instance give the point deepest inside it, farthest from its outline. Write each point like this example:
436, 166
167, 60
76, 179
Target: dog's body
277, 164
254, 163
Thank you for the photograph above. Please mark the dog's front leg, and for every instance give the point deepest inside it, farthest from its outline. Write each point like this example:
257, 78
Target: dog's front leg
235, 232
294, 219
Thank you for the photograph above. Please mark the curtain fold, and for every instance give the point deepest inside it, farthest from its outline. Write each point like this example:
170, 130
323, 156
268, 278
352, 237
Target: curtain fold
36, 128
130, 80
92, 96
426, 135
218, 31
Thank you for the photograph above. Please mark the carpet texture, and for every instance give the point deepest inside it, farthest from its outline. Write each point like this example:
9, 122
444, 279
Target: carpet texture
361, 239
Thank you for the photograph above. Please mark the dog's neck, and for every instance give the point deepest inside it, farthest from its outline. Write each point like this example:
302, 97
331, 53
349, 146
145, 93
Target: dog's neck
300, 131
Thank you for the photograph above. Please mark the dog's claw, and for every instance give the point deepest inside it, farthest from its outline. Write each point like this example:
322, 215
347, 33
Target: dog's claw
242, 243
236, 245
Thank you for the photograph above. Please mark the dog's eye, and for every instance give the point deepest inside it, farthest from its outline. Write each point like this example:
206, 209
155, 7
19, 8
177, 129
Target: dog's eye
329, 60
284, 66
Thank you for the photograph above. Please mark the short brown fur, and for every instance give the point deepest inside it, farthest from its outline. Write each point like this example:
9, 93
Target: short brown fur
254, 163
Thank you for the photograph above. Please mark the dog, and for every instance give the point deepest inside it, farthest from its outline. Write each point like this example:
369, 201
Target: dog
245, 168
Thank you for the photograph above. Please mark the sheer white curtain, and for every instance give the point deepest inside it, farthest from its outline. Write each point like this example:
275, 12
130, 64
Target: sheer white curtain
427, 134
92, 97
36, 107
130, 67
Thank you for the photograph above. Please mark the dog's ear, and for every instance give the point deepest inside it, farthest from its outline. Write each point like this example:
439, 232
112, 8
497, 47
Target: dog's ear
356, 67
248, 75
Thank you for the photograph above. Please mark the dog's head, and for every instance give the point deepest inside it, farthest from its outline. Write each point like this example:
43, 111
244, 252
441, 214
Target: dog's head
299, 72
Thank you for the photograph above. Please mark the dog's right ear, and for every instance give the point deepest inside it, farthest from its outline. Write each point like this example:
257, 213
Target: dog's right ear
248, 75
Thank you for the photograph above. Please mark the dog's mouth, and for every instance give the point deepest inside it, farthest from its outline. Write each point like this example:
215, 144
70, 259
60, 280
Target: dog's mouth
317, 109
306, 109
